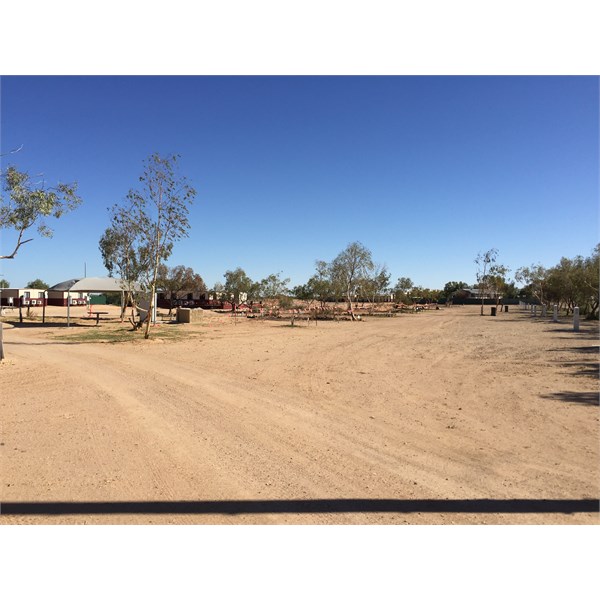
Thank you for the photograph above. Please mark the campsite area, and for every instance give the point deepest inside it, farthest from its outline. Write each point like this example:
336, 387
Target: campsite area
439, 417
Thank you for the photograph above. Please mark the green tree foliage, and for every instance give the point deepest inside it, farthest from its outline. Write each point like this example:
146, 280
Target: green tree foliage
302, 292
179, 280
496, 282
273, 287
239, 286
535, 278
452, 287
421, 294
575, 282
118, 249
28, 204
570, 283
402, 290
4, 283
351, 274
319, 287
121, 256
38, 284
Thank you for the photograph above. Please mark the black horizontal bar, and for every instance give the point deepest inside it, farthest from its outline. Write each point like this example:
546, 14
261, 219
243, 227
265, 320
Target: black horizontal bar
333, 505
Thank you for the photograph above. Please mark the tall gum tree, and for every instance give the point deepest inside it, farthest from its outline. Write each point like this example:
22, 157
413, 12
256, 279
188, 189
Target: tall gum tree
350, 266
484, 261
155, 216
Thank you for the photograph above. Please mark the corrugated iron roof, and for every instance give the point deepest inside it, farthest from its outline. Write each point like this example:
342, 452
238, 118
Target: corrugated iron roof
91, 284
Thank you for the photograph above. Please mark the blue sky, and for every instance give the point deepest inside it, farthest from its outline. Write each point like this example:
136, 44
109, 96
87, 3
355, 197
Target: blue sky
424, 171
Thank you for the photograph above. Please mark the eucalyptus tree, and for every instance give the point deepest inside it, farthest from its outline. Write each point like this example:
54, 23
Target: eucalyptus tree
321, 284
38, 284
402, 288
591, 282
121, 256
348, 268
536, 278
375, 284
575, 282
496, 281
153, 218
28, 204
318, 288
179, 280
273, 287
452, 287
238, 285
484, 261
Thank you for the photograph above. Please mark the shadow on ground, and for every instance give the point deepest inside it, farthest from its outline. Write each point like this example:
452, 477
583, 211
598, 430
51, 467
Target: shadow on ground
585, 331
39, 324
591, 350
584, 369
333, 505
586, 398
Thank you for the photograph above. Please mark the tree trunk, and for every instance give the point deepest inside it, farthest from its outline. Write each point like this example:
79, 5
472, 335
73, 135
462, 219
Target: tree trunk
149, 315
349, 299
128, 299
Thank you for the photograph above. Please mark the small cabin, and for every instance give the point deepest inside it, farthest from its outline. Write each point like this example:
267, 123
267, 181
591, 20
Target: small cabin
15, 297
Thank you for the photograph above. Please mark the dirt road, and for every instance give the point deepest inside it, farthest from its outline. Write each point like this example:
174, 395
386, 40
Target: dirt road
439, 417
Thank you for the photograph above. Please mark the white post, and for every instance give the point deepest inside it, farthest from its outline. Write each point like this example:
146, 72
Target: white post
532, 309
68, 308
555, 316
576, 318
543, 310
154, 309
535, 310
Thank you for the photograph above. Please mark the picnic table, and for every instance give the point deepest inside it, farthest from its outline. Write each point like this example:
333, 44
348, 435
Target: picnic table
98, 313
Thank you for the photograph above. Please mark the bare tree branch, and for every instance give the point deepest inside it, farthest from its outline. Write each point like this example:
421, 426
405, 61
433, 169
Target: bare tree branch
13, 151
20, 242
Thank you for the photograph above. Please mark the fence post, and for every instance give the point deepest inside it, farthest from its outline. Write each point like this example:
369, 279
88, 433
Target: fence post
576, 318
535, 310
543, 310
555, 317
